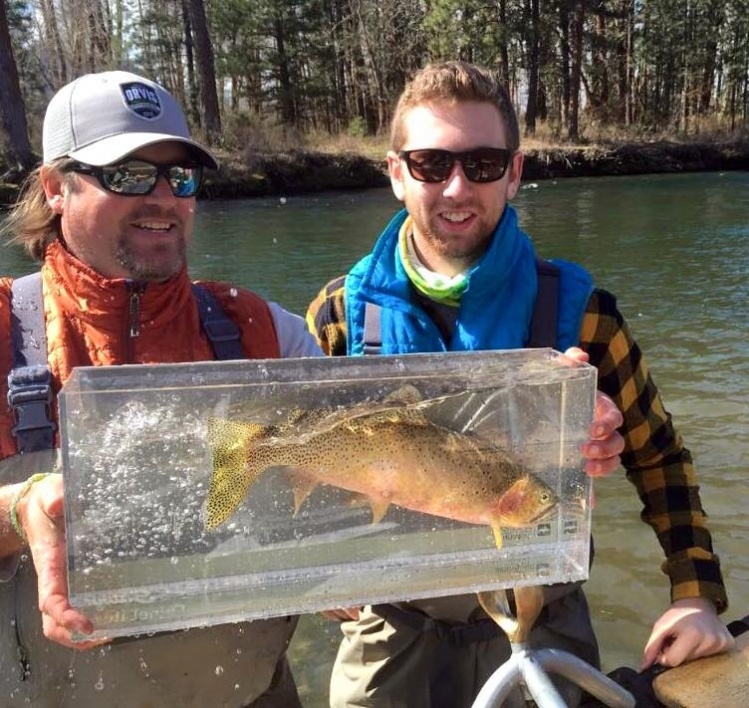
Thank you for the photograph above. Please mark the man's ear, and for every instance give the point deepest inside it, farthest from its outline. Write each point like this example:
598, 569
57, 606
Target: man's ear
395, 169
516, 173
54, 187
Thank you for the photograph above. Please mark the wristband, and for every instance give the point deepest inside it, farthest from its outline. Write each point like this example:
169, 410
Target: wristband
18, 496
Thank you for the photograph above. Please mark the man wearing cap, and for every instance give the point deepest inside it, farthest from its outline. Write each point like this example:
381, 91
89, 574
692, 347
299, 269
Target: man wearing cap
109, 214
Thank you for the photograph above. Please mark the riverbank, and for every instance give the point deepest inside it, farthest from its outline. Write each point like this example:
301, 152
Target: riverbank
300, 172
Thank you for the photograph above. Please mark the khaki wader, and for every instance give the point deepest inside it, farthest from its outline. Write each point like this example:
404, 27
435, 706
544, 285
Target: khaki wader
438, 653
234, 665
231, 665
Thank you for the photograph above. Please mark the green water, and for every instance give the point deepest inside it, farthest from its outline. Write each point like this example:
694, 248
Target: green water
675, 251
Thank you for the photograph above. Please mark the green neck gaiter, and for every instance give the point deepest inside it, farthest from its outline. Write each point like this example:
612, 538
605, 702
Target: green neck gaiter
441, 288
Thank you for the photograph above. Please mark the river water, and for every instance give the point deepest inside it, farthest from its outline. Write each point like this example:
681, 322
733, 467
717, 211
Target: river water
675, 251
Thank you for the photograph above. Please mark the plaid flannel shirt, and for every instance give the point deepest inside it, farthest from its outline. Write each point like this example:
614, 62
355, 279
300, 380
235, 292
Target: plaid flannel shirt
656, 461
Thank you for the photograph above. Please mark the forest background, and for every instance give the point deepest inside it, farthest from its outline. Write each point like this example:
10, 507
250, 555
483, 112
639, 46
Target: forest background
298, 94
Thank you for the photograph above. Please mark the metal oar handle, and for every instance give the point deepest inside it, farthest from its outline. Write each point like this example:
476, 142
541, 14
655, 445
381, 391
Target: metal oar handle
529, 666
529, 601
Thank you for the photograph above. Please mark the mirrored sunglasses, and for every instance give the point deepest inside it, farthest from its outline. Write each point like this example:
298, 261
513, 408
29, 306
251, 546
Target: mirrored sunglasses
136, 178
479, 165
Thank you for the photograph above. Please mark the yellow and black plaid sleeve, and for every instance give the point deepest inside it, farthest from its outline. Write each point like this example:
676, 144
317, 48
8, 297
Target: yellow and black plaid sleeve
326, 318
656, 461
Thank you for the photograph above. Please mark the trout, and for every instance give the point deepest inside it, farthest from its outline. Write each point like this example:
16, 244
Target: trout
388, 452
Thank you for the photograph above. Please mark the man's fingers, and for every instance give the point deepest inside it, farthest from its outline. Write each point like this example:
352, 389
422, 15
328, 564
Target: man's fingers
58, 609
44, 525
689, 629
612, 446
608, 418
601, 468
56, 633
652, 649
577, 355
342, 614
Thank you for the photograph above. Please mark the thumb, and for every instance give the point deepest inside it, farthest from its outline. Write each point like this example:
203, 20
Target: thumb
50, 499
653, 649
53, 505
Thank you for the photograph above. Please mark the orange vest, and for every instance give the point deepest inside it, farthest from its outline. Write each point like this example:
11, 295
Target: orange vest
92, 320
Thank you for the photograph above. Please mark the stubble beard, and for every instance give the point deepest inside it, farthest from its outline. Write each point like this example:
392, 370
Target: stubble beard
163, 257
150, 268
458, 247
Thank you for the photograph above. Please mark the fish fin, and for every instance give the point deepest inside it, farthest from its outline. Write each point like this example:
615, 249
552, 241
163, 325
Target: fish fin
302, 486
367, 424
497, 531
233, 472
223, 432
393, 408
380, 507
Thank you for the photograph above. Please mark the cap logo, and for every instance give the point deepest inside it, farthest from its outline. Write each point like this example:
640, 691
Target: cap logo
141, 100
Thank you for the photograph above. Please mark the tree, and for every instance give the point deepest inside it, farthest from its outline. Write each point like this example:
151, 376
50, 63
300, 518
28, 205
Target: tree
12, 107
339, 65
576, 70
206, 70
533, 16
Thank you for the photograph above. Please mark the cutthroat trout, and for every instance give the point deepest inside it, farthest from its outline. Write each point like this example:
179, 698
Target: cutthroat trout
389, 452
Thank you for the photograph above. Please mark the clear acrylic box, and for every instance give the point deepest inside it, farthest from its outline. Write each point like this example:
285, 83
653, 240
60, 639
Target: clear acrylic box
355, 471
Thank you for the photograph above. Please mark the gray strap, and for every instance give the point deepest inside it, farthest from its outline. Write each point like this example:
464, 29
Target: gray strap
222, 333
27, 322
543, 332
372, 329
30, 381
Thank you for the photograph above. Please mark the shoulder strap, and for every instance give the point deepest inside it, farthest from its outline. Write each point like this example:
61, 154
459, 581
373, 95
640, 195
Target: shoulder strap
30, 381
543, 323
372, 329
27, 321
222, 333
543, 331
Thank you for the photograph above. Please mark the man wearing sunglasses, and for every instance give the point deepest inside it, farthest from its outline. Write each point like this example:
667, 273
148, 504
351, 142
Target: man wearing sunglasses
109, 214
453, 271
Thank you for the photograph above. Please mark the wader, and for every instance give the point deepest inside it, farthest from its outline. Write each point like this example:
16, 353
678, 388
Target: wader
438, 653
232, 665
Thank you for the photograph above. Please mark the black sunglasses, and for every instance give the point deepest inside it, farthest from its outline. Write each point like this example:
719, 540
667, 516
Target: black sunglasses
479, 165
136, 178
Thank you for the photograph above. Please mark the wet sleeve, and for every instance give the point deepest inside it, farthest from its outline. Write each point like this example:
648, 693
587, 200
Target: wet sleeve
654, 457
326, 318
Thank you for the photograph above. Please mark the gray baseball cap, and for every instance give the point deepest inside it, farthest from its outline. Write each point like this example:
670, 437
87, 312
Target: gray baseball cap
100, 118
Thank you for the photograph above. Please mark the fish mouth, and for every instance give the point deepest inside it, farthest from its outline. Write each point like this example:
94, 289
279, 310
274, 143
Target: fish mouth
544, 514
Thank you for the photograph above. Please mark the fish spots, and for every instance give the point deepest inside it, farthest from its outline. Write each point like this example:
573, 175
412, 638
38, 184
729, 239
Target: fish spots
387, 452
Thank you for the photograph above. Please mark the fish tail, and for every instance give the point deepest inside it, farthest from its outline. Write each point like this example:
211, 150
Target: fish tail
232, 464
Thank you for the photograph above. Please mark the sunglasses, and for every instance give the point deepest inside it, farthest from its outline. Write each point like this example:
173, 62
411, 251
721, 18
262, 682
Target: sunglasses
479, 165
136, 178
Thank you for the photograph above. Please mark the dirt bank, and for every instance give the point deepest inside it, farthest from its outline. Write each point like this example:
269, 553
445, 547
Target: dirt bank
299, 172
302, 172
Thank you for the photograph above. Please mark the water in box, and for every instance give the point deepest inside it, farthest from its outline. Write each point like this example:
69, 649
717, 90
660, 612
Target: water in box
139, 461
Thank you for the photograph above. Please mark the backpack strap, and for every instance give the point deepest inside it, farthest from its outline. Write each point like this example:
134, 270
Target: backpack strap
30, 381
222, 333
372, 329
543, 330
